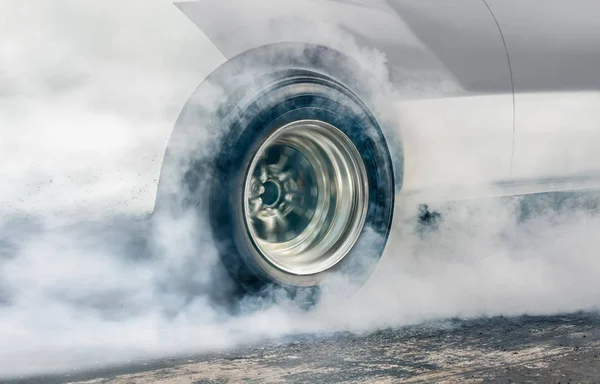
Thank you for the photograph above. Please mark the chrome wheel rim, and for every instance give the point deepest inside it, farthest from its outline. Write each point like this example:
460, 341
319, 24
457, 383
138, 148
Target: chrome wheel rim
306, 197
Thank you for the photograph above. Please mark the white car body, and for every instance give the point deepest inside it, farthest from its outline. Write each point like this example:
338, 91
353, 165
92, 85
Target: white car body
495, 97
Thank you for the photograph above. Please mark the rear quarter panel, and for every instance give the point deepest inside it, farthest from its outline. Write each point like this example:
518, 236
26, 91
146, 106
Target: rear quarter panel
554, 48
452, 98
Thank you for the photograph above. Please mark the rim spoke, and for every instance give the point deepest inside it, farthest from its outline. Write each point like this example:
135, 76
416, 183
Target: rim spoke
281, 221
271, 228
256, 189
283, 160
264, 174
284, 176
291, 195
256, 204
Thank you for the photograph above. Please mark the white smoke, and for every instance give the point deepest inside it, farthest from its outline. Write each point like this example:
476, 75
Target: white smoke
90, 92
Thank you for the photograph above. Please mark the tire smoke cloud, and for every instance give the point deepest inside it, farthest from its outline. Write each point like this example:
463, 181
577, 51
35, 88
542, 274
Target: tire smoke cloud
89, 95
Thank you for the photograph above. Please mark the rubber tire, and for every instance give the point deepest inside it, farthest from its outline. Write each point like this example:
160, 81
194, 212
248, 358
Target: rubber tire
220, 129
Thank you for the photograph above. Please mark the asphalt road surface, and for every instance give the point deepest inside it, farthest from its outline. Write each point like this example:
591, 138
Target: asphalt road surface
558, 349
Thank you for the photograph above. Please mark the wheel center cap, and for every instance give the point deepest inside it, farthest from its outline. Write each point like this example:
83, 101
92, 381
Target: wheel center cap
272, 193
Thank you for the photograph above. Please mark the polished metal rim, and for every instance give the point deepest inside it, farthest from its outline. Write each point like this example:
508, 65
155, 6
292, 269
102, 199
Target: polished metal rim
305, 197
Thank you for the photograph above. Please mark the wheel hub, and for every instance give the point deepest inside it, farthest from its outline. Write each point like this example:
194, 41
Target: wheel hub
306, 197
272, 193
283, 194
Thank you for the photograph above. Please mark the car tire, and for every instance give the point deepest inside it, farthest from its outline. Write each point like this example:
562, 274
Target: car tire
278, 154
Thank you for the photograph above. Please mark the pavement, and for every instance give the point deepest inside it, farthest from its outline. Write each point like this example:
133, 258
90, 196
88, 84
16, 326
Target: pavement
557, 349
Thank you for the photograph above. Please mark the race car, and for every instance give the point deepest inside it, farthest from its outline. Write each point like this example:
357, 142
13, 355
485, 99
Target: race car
328, 114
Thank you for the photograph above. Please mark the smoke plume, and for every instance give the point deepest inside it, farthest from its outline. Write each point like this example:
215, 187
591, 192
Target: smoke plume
89, 93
